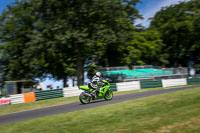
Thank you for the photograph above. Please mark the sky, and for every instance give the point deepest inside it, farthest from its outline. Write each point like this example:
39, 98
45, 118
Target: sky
147, 9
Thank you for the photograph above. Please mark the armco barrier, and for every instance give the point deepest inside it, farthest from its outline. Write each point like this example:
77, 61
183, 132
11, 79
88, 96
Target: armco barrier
48, 94
71, 91
16, 99
127, 86
173, 82
193, 81
113, 86
29, 97
150, 84
74, 91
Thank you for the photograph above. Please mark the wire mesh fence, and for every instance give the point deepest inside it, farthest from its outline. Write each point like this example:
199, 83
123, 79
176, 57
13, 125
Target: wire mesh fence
118, 74
112, 68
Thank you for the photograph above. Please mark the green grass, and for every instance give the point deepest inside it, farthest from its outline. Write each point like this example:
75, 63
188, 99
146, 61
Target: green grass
38, 104
51, 102
177, 112
134, 91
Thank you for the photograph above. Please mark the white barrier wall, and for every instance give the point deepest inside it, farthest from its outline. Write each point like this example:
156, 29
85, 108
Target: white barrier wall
16, 99
127, 86
124, 86
174, 82
71, 91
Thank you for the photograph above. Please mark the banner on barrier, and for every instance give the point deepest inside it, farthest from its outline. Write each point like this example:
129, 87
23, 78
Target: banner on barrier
4, 101
29, 97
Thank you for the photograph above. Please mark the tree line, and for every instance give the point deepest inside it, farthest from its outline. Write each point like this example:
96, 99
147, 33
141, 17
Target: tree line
63, 38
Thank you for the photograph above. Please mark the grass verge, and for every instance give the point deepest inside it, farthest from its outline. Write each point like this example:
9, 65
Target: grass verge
52, 102
176, 112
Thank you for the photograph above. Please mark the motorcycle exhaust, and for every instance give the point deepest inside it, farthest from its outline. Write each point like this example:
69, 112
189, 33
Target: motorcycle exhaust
87, 94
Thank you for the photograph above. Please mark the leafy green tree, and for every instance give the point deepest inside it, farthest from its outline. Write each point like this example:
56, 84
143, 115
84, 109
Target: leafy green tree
16, 24
86, 29
179, 29
144, 48
58, 37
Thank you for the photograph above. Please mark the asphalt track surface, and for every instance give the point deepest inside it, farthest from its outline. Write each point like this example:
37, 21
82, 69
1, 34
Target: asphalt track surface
71, 107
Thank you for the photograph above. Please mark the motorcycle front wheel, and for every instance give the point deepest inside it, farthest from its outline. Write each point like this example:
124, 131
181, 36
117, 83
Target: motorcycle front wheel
84, 99
108, 95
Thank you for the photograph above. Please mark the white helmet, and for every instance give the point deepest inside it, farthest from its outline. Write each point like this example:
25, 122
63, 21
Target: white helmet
98, 74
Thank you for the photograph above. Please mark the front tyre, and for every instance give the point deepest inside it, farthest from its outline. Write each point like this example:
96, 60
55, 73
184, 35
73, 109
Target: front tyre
108, 95
84, 99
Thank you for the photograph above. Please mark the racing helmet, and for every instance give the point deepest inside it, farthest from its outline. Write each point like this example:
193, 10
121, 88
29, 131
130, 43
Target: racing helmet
98, 74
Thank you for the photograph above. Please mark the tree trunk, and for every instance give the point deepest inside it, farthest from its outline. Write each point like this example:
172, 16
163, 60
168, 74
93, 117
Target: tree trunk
79, 67
106, 61
83, 76
65, 81
79, 72
73, 84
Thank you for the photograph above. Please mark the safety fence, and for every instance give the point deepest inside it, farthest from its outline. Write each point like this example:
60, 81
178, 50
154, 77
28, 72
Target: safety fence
193, 81
16, 99
119, 74
71, 91
4, 101
150, 84
48, 94
74, 91
174, 82
127, 86
113, 86
29, 97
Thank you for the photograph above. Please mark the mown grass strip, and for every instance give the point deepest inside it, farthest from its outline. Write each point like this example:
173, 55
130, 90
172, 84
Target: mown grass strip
51, 102
55, 101
166, 113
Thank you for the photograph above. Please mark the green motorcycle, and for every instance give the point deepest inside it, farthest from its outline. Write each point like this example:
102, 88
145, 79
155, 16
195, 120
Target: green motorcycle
105, 92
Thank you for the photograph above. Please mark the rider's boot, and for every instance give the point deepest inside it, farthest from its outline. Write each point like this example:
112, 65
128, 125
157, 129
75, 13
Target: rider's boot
94, 93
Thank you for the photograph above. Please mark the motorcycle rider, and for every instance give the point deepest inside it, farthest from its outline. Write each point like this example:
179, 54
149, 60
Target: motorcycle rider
95, 84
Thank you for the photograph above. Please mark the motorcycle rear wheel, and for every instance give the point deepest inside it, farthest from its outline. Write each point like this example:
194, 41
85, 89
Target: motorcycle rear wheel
84, 99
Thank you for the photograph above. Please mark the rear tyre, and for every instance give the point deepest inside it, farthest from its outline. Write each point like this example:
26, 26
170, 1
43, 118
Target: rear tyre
84, 99
108, 95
